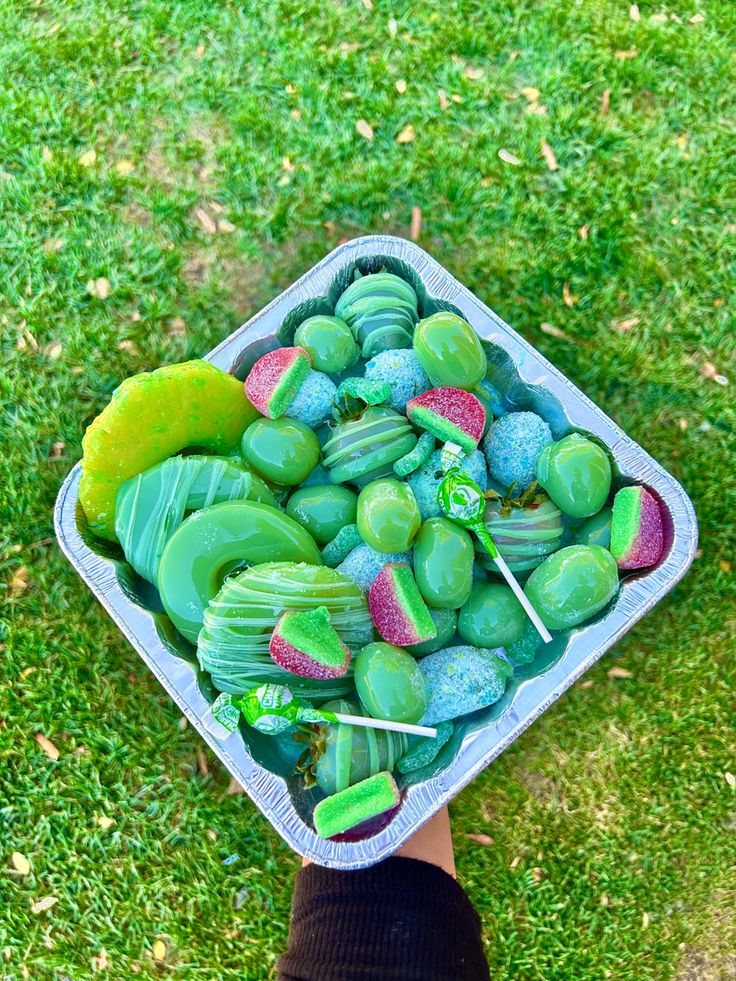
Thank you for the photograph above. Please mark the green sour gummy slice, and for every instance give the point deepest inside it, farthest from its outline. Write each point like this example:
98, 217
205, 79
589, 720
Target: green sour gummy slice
356, 804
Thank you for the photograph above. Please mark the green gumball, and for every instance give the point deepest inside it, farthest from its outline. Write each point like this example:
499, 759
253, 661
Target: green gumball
281, 450
329, 342
492, 616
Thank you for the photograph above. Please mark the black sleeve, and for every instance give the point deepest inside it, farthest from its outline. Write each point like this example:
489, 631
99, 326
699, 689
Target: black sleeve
400, 920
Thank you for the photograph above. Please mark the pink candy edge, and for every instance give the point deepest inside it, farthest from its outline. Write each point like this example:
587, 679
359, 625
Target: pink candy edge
648, 544
426, 399
299, 662
269, 368
386, 610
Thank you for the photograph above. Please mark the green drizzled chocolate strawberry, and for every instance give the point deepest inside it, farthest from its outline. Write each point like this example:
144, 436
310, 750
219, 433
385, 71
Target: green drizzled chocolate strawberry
450, 414
398, 610
308, 645
274, 380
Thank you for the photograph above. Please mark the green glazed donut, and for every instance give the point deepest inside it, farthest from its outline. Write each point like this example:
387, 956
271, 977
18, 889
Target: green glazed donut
213, 541
362, 449
381, 311
151, 506
233, 643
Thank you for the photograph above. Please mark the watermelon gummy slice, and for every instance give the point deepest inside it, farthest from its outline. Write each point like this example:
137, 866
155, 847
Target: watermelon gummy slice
398, 610
275, 378
450, 414
307, 644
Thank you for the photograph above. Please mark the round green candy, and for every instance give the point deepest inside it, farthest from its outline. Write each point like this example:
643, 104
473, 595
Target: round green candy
282, 450
323, 509
492, 616
572, 585
596, 530
389, 683
450, 351
446, 623
213, 541
329, 342
443, 563
388, 515
576, 473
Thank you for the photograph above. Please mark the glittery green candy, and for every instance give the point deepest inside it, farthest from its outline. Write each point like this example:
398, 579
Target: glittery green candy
424, 751
417, 457
356, 804
381, 311
341, 545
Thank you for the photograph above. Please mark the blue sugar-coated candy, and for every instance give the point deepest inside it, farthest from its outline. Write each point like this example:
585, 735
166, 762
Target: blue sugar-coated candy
402, 370
461, 680
425, 482
364, 563
423, 751
512, 447
312, 404
524, 649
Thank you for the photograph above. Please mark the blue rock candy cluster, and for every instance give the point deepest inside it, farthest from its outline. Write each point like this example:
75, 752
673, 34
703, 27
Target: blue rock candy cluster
425, 482
313, 402
402, 370
461, 680
364, 563
512, 447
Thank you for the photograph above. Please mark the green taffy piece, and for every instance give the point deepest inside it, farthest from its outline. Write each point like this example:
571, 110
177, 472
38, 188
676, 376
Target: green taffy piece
282, 450
388, 515
417, 457
450, 351
329, 342
443, 563
323, 509
341, 545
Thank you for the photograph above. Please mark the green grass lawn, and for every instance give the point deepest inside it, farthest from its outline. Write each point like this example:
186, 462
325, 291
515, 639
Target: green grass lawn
165, 169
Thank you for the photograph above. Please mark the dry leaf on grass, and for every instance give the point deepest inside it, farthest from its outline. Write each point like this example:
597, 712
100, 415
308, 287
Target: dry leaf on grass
129, 347
53, 350
605, 102
105, 822
223, 225
88, 158
444, 101
288, 165
158, 951
364, 129
368, 4
124, 167
19, 863
100, 961
47, 746
43, 904
47, 155
53, 245
696, 19
536, 109
480, 839
401, 86
509, 158
615, 673
199, 51
724, 565
584, 232
177, 327
710, 371
549, 155
207, 223
350, 47
624, 325
585, 685
730, 779
99, 288
407, 135
556, 332
625, 55
515, 861
57, 450
530, 93
234, 787
634, 12
537, 874
20, 582
568, 298
202, 764
416, 223
645, 920
474, 74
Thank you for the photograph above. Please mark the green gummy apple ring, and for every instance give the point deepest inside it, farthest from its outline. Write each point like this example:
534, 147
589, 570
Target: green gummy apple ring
213, 541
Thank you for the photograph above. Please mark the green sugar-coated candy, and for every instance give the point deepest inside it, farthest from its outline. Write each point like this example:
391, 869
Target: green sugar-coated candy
349, 754
381, 310
492, 616
359, 392
524, 649
329, 343
388, 515
423, 751
341, 545
445, 622
233, 645
365, 448
282, 450
389, 683
450, 351
323, 510
152, 505
596, 530
364, 800
573, 585
443, 563
213, 541
417, 457
576, 473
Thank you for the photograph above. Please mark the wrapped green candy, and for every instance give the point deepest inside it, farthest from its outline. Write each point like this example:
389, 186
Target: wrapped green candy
381, 310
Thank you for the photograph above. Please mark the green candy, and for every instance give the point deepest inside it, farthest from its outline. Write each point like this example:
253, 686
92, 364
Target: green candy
445, 622
233, 645
417, 457
323, 509
388, 515
211, 542
596, 530
450, 351
443, 563
381, 310
576, 473
151, 506
424, 751
282, 450
341, 545
572, 585
329, 342
389, 683
492, 616
362, 801
365, 448
524, 536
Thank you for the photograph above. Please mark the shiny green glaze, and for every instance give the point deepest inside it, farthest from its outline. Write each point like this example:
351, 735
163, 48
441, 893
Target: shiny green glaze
329, 342
282, 450
492, 617
523, 536
443, 563
363, 449
207, 546
323, 509
450, 351
596, 530
576, 473
388, 515
572, 585
389, 683
446, 623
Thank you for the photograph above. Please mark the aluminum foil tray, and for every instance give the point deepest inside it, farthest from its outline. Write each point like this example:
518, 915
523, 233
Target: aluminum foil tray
526, 381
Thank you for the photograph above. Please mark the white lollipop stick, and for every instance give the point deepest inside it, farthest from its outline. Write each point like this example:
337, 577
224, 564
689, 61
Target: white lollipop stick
522, 598
361, 720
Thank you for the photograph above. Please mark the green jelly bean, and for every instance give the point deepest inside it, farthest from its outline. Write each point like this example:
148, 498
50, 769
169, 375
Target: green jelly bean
323, 509
596, 530
450, 351
492, 616
443, 563
282, 450
389, 683
572, 585
329, 342
214, 541
388, 515
446, 623
576, 473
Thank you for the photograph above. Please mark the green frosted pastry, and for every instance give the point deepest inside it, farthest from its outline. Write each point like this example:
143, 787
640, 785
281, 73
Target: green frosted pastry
492, 616
151, 506
348, 754
329, 343
524, 536
443, 563
576, 473
282, 450
215, 540
573, 585
362, 449
323, 509
381, 310
356, 804
389, 683
450, 351
388, 515
238, 623
596, 530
